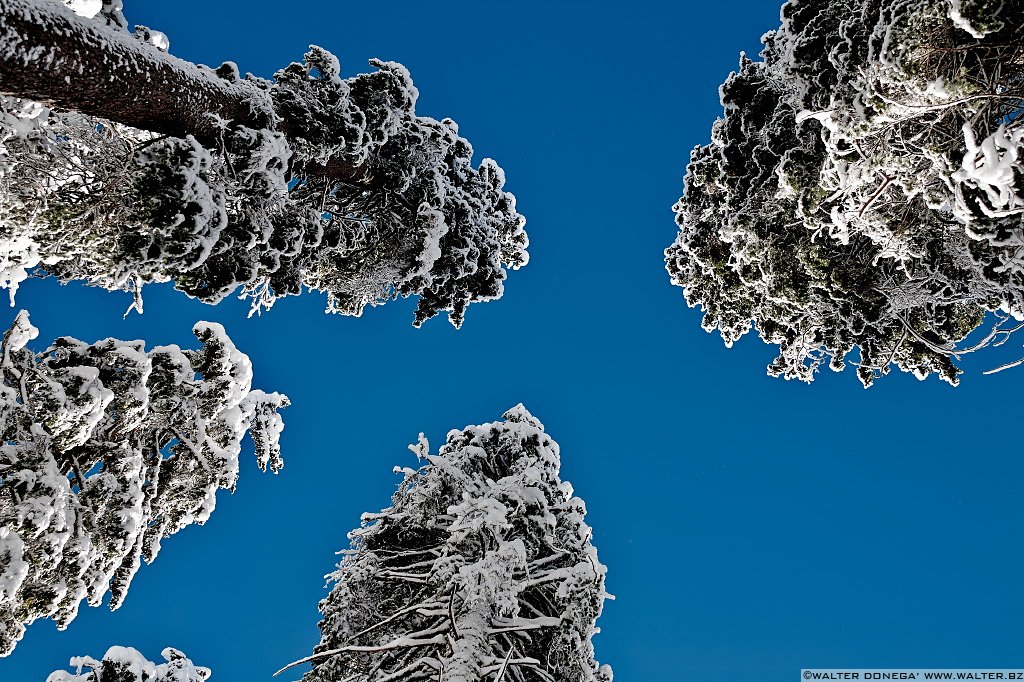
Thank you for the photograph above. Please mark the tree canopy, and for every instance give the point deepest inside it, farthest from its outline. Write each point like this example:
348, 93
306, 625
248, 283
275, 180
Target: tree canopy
125, 664
121, 165
107, 450
481, 569
864, 188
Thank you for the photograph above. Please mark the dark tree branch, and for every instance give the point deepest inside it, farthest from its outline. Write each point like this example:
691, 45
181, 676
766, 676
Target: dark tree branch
51, 55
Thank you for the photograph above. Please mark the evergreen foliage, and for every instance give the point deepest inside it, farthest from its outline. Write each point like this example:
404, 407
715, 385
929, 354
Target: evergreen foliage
481, 569
337, 186
865, 188
107, 450
125, 664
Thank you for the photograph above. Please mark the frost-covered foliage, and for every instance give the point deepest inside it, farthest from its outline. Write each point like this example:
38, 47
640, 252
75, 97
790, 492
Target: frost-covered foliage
108, 449
350, 193
110, 12
865, 187
481, 569
125, 664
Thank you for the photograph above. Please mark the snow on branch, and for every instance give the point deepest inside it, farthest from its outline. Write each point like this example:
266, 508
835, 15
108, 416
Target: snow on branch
86, 62
125, 664
481, 522
121, 165
108, 449
864, 195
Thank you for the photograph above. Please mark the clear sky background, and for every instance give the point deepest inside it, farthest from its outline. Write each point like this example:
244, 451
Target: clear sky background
750, 526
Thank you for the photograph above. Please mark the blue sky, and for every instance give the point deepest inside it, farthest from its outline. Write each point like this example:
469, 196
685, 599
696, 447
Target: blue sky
751, 526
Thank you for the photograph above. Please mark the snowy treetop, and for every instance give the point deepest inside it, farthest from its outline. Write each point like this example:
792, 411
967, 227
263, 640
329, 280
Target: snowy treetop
108, 449
333, 184
125, 664
481, 568
864, 188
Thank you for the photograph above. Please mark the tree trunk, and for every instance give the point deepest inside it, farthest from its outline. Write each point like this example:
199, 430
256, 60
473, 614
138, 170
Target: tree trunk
51, 55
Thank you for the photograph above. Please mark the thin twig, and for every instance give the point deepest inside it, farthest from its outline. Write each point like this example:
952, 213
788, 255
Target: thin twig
1008, 365
504, 664
451, 613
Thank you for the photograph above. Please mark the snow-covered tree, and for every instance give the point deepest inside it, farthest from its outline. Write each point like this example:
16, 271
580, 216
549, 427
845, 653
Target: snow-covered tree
481, 569
125, 664
121, 165
865, 188
108, 449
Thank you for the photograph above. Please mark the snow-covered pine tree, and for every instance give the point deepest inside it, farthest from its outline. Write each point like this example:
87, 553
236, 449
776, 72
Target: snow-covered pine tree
481, 569
125, 664
108, 449
121, 165
865, 188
